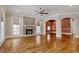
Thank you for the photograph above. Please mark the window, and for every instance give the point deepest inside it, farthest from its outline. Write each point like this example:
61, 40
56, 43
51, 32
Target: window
16, 26
16, 29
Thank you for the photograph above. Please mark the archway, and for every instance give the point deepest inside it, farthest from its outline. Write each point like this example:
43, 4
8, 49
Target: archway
66, 26
51, 27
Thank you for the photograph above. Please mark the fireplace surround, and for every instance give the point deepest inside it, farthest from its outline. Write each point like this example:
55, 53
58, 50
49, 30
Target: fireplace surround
29, 31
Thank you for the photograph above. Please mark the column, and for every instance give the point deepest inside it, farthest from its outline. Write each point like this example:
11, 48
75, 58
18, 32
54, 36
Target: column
58, 28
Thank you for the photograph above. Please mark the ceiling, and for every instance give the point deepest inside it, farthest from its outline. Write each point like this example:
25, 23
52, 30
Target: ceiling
51, 9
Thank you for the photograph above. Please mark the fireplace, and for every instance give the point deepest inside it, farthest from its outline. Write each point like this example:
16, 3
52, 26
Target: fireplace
29, 31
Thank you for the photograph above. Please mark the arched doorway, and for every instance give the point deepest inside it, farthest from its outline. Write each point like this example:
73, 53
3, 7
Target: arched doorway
66, 26
51, 27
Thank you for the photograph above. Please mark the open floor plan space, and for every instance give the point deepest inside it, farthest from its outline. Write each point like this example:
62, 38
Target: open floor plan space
39, 28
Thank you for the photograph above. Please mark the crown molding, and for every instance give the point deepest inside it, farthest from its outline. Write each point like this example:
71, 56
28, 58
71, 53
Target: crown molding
59, 14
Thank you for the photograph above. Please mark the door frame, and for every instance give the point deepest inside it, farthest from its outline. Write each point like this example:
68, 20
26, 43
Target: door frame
50, 26
71, 26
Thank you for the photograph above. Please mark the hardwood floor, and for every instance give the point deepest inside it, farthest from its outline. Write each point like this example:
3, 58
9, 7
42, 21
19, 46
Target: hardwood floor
41, 44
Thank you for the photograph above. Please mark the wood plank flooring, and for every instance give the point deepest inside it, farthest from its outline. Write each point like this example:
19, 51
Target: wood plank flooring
41, 44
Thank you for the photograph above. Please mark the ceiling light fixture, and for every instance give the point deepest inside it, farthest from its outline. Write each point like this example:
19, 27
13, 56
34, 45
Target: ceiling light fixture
41, 12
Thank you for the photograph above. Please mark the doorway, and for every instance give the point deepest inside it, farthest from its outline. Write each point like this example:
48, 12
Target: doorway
66, 26
51, 27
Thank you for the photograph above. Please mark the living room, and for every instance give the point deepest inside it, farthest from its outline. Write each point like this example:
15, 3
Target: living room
34, 25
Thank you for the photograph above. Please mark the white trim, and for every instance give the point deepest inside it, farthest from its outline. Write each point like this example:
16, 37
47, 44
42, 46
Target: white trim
20, 36
43, 33
1, 42
67, 33
64, 33
58, 36
48, 17
68, 13
77, 36
61, 33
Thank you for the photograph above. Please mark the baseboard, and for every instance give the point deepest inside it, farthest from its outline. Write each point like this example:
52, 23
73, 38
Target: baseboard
43, 33
66, 33
58, 36
77, 36
2, 42
19, 36
23, 36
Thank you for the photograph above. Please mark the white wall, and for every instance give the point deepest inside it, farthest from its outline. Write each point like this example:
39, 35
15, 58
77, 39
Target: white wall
74, 16
9, 24
56, 17
3, 25
9, 27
